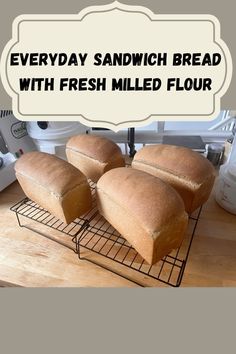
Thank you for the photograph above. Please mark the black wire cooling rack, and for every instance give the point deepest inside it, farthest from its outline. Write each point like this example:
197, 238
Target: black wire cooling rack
95, 240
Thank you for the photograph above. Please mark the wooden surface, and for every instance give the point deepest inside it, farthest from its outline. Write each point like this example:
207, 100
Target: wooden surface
29, 260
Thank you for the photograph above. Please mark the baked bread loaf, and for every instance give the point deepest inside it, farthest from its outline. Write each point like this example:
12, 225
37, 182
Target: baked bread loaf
147, 212
93, 155
54, 184
188, 172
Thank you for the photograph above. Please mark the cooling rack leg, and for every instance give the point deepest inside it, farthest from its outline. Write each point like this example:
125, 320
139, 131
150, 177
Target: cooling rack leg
78, 249
18, 220
79, 236
181, 273
112, 271
50, 238
43, 234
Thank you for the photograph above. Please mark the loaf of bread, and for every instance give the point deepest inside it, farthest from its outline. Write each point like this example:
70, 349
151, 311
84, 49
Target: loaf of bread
147, 212
93, 155
188, 172
54, 184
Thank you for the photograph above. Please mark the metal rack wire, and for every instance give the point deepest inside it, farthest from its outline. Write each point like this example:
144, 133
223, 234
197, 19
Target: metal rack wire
95, 240
35, 218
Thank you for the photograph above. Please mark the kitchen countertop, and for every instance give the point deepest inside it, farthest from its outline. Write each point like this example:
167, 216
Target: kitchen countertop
28, 260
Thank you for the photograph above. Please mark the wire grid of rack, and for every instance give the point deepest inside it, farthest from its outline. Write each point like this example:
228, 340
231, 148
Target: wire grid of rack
96, 241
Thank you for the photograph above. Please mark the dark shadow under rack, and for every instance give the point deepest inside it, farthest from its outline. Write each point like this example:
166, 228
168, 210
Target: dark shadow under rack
95, 240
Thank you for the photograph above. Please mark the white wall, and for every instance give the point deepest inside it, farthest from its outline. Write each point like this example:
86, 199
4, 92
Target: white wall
181, 125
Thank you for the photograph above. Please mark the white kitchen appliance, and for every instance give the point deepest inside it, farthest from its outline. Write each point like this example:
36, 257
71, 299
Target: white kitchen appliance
232, 155
51, 137
14, 141
225, 192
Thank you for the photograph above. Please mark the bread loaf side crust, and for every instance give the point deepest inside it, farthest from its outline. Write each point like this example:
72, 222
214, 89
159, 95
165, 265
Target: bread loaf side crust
193, 180
146, 211
55, 174
62, 190
96, 147
152, 246
126, 224
185, 191
76, 202
142, 193
180, 161
92, 168
67, 208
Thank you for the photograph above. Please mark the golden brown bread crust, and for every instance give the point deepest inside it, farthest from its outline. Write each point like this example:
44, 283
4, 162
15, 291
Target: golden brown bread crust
178, 160
94, 146
54, 184
190, 173
145, 210
49, 170
93, 155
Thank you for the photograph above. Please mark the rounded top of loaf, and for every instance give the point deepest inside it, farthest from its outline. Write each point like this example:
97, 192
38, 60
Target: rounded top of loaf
180, 161
94, 146
150, 200
49, 171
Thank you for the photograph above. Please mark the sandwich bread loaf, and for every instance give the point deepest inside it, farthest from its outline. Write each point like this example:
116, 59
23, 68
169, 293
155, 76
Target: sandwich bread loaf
147, 212
54, 184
